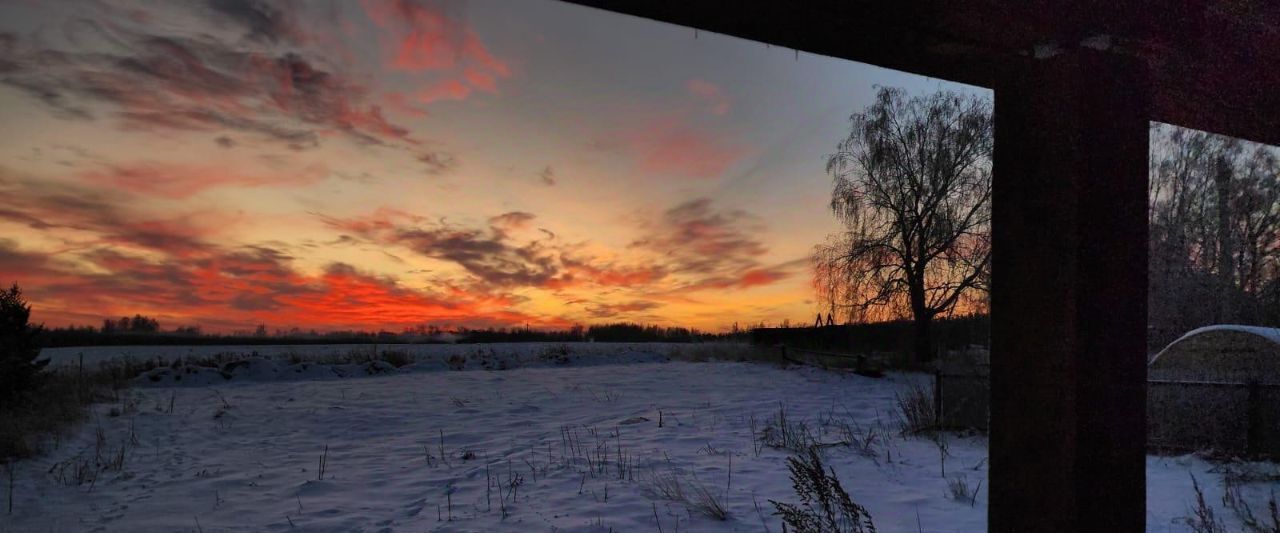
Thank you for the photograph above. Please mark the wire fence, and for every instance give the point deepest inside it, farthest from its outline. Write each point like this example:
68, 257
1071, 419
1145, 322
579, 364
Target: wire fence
1229, 418
1223, 417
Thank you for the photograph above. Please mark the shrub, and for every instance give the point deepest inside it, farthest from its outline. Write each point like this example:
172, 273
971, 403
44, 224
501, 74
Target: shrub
824, 506
20, 372
397, 358
456, 362
915, 409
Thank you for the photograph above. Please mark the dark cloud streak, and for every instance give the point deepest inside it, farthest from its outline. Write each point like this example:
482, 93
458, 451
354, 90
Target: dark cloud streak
201, 83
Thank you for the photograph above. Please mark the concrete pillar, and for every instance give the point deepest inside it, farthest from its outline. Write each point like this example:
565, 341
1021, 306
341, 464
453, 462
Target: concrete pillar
1069, 296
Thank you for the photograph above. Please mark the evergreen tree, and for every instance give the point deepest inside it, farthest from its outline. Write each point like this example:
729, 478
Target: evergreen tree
20, 372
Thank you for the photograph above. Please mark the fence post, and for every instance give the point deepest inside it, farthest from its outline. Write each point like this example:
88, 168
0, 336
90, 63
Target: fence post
937, 397
1253, 444
80, 381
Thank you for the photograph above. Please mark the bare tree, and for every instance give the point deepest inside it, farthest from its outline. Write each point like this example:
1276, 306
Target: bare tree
1215, 231
912, 187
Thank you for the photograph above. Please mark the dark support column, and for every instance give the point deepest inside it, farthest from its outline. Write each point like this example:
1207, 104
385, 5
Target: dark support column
1069, 296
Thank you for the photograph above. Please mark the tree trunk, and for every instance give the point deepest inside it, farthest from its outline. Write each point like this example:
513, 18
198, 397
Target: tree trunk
923, 337
1226, 253
921, 317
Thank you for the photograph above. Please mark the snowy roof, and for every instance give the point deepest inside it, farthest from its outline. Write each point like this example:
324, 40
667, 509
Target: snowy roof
1271, 334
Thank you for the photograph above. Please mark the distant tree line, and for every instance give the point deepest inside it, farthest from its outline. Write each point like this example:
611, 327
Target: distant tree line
137, 324
145, 330
894, 336
616, 332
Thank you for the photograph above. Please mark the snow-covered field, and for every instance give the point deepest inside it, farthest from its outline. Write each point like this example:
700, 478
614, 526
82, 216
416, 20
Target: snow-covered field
572, 447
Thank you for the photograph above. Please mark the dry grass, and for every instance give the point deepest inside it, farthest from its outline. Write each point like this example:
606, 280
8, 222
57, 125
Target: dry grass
673, 485
725, 351
786, 433
915, 409
1202, 518
1266, 520
824, 506
959, 490
60, 401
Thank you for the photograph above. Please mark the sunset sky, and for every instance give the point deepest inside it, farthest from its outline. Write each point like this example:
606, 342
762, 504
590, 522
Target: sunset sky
383, 164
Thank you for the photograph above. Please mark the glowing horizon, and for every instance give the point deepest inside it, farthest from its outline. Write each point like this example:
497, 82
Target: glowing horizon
388, 164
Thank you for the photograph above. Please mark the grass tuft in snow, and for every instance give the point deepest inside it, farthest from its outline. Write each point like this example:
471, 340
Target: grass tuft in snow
725, 351
1232, 499
824, 505
786, 433
674, 485
1202, 519
915, 409
959, 490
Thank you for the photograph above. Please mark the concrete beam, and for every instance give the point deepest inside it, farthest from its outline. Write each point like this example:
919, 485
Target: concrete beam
1214, 64
1069, 296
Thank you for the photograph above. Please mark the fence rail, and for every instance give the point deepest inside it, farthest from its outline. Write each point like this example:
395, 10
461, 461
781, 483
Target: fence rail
1229, 417
859, 363
1223, 416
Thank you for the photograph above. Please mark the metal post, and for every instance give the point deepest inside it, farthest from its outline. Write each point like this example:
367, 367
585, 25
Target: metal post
1253, 441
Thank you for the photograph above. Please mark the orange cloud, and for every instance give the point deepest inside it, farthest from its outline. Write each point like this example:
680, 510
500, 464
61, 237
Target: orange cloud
180, 181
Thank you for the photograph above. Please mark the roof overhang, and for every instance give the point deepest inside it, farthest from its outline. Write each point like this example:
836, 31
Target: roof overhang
1213, 65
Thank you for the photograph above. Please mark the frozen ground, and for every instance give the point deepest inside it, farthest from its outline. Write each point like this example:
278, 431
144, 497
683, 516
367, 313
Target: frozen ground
576, 447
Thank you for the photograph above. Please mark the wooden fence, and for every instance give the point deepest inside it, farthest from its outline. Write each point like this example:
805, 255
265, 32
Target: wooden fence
866, 364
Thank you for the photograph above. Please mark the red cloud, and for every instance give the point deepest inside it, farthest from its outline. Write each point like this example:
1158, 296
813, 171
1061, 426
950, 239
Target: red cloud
672, 148
229, 289
685, 151
421, 37
445, 90
757, 277
116, 262
711, 93
582, 272
760, 276
350, 297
